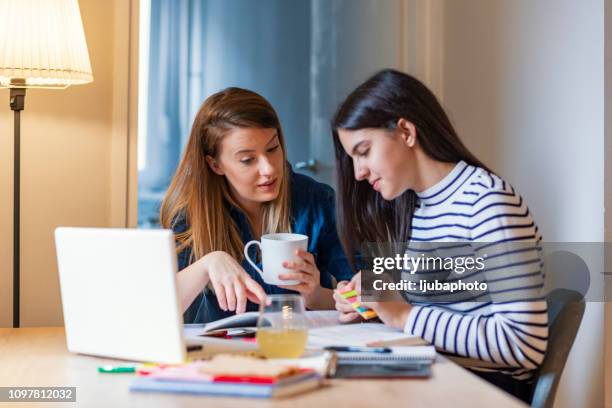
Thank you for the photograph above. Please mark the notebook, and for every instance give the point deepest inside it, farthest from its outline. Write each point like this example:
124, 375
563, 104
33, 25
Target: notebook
229, 376
397, 354
418, 369
401, 362
141, 384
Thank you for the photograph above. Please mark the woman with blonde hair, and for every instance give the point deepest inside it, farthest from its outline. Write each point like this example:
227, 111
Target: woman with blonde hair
232, 185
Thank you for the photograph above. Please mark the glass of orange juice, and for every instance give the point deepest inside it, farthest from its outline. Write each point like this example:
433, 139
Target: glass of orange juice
281, 327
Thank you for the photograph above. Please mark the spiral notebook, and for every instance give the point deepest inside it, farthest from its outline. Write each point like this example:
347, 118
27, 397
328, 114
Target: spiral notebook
401, 362
398, 354
413, 369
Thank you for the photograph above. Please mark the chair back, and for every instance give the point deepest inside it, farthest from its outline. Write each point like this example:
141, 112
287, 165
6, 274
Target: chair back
565, 311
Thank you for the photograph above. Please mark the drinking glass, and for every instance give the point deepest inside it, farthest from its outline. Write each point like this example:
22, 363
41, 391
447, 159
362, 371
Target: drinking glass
281, 327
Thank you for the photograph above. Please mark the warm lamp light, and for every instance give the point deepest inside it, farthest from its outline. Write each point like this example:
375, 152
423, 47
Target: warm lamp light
42, 45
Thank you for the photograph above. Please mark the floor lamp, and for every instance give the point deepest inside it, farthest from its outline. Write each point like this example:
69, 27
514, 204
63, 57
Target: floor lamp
42, 45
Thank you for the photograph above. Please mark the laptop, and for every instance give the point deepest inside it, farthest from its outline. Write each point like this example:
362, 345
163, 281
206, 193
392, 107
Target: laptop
118, 289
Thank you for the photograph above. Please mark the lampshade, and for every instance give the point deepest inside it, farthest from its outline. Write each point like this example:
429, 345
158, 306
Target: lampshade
42, 44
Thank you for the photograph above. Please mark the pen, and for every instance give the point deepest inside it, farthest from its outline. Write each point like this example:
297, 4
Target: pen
116, 369
360, 349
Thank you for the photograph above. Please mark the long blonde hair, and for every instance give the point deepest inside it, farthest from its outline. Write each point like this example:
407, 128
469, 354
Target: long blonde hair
200, 197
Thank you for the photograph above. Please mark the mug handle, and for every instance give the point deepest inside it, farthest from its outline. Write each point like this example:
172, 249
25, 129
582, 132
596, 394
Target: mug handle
246, 254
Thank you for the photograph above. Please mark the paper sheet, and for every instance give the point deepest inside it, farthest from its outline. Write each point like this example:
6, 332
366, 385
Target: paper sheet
322, 318
360, 335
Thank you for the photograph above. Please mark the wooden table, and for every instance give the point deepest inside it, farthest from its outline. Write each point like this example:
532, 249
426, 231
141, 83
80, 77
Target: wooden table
38, 357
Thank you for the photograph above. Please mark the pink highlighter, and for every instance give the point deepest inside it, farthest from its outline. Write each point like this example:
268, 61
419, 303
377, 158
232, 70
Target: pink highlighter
351, 297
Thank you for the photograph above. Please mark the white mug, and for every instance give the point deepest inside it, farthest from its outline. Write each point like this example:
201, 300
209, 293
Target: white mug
276, 249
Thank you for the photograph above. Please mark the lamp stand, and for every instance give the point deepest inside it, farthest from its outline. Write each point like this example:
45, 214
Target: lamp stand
17, 101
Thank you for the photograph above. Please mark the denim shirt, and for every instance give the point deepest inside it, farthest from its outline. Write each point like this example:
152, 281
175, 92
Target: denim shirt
312, 214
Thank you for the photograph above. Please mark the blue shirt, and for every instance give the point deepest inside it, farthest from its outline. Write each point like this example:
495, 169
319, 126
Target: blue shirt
313, 214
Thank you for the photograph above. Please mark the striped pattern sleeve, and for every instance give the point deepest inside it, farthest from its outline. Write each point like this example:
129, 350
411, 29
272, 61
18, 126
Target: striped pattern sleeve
512, 335
509, 326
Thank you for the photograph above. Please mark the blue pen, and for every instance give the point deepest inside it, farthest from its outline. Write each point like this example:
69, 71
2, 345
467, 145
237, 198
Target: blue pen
360, 349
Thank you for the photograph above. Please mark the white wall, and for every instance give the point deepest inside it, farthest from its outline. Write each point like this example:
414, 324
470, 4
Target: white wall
523, 81
608, 201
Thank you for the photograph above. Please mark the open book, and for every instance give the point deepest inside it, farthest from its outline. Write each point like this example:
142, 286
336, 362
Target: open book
314, 318
324, 330
361, 335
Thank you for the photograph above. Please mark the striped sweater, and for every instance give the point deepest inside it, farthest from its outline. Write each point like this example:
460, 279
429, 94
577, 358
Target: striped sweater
506, 329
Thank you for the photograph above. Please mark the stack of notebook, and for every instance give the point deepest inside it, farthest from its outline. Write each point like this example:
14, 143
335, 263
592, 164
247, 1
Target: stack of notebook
386, 362
228, 376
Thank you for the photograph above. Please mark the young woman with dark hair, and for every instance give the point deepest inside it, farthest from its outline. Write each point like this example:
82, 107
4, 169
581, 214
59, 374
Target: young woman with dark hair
404, 176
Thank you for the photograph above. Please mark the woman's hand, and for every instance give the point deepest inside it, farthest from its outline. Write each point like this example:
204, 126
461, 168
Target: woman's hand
392, 313
309, 277
347, 313
232, 284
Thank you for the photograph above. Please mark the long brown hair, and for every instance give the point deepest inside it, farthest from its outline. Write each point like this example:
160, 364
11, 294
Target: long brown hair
202, 198
362, 214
